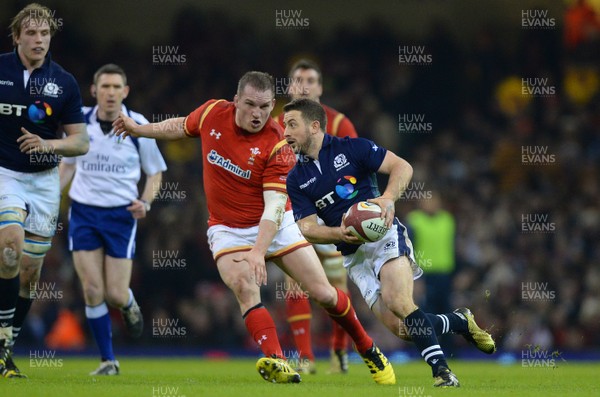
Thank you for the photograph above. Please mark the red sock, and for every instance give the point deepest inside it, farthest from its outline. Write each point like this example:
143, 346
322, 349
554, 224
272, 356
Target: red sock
262, 328
299, 315
339, 340
343, 313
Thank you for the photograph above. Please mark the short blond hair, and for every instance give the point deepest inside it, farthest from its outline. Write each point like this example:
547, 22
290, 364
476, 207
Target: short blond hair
34, 11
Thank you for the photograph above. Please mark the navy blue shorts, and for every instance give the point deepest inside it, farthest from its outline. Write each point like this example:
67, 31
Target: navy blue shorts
93, 227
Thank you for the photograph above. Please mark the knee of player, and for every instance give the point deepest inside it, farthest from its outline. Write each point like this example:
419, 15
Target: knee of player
244, 289
93, 293
400, 304
324, 294
11, 256
116, 297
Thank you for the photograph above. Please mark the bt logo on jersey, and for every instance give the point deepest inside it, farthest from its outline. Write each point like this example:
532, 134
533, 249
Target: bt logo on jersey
7, 109
38, 111
346, 190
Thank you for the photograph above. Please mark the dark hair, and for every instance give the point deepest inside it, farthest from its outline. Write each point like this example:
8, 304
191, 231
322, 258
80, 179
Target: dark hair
259, 80
305, 64
110, 68
311, 111
33, 11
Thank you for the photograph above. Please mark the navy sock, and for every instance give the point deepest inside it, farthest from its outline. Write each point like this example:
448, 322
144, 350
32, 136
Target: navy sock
423, 335
22, 308
99, 321
447, 323
9, 292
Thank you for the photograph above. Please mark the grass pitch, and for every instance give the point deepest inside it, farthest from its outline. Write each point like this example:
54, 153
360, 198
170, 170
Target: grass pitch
165, 377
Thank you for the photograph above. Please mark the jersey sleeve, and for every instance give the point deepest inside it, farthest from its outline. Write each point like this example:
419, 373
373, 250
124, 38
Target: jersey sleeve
280, 162
151, 159
366, 153
346, 128
194, 121
72, 113
301, 204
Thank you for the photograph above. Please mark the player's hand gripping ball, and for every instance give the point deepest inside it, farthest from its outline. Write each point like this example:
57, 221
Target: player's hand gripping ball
364, 221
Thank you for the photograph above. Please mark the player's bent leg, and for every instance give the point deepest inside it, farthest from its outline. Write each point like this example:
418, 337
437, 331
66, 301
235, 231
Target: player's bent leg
11, 251
302, 264
333, 264
396, 277
299, 313
89, 266
259, 323
117, 273
34, 251
89, 269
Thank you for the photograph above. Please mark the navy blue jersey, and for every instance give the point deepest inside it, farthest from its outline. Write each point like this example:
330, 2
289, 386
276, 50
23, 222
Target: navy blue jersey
49, 99
344, 175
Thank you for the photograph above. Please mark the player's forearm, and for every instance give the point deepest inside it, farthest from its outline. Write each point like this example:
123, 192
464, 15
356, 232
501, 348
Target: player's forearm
74, 144
170, 129
267, 230
319, 234
152, 187
399, 178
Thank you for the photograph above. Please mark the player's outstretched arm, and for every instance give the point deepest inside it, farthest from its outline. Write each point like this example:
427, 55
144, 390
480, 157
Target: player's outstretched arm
400, 173
321, 234
169, 129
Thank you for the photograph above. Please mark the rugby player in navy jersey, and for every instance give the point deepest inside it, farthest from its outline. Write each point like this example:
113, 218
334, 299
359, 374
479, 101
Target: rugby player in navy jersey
39, 101
385, 270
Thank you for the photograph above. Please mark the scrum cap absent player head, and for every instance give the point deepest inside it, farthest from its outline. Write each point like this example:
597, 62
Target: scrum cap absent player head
254, 101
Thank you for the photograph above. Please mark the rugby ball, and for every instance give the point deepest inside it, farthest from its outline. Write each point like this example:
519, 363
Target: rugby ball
363, 221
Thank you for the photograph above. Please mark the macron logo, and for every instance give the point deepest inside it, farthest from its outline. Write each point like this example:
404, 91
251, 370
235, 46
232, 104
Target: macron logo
7, 82
215, 158
305, 184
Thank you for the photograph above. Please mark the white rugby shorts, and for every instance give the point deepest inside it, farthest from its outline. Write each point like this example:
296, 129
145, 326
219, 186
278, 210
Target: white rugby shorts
226, 240
38, 193
365, 264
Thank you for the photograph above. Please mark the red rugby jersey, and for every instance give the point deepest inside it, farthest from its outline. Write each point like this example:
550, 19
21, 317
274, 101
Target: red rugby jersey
238, 165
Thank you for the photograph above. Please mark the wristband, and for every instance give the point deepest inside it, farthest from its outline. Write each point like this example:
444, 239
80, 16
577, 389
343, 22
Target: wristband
147, 205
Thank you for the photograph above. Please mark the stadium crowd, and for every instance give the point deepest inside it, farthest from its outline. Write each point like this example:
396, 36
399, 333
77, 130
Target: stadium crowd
520, 173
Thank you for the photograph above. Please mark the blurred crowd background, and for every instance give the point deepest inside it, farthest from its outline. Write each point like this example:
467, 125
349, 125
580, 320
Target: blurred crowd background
526, 252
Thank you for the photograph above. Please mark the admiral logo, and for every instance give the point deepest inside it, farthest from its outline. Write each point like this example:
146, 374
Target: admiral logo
340, 161
215, 158
307, 183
